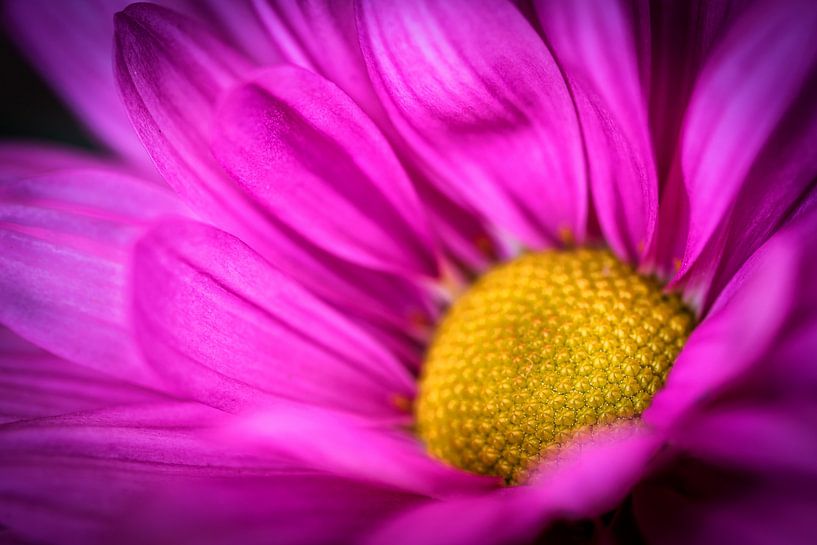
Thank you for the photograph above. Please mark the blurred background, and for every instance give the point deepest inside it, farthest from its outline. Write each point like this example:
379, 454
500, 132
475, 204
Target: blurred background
28, 108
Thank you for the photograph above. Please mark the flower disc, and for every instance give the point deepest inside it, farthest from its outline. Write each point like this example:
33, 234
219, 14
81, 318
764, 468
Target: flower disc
540, 348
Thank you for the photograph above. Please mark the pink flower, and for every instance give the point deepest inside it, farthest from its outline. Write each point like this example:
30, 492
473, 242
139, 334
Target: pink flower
216, 341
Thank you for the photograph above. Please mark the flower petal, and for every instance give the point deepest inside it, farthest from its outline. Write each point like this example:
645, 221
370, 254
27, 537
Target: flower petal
25, 160
300, 146
291, 509
321, 36
171, 72
349, 446
65, 238
37, 384
71, 46
217, 320
588, 482
748, 151
697, 503
596, 45
65, 479
473, 91
238, 24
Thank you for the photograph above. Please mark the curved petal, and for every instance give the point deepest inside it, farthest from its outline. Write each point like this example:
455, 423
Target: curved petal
698, 503
589, 481
300, 146
171, 72
28, 159
228, 329
35, 384
66, 479
239, 24
735, 343
321, 35
732, 337
65, 239
290, 509
748, 150
71, 46
473, 91
596, 46
356, 448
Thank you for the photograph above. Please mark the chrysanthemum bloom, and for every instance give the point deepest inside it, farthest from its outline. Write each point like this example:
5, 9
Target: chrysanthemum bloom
464, 271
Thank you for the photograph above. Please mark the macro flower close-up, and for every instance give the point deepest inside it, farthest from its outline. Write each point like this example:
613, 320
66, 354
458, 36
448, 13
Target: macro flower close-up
387, 272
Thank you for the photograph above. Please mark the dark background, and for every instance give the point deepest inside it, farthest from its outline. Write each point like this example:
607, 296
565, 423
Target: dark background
28, 108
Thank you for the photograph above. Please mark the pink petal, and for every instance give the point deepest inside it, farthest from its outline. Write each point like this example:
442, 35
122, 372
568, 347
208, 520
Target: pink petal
171, 72
71, 46
755, 438
696, 503
322, 36
36, 384
300, 146
65, 239
228, 329
290, 509
473, 91
357, 448
738, 347
590, 481
65, 479
596, 45
237, 23
748, 151
733, 336
24, 159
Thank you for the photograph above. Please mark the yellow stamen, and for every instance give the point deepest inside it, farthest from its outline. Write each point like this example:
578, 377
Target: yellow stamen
539, 348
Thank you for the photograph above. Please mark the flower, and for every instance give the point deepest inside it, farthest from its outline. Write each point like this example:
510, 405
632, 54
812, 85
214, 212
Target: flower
218, 341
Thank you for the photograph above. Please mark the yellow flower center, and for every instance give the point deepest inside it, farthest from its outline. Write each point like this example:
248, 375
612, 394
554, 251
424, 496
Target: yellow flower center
540, 348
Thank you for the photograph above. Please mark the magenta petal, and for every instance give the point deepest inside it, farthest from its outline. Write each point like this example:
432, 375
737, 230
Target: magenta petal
71, 45
283, 509
349, 446
26, 159
590, 481
710, 505
215, 318
733, 336
37, 384
65, 479
300, 146
322, 36
760, 439
64, 243
748, 151
171, 72
238, 23
596, 45
475, 94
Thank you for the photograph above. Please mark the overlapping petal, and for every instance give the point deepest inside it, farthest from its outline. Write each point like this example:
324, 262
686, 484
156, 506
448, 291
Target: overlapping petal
290, 509
298, 144
65, 238
589, 481
67, 479
228, 329
172, 72
597, 47
37, 384
474, 92
748, 150
358, 448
